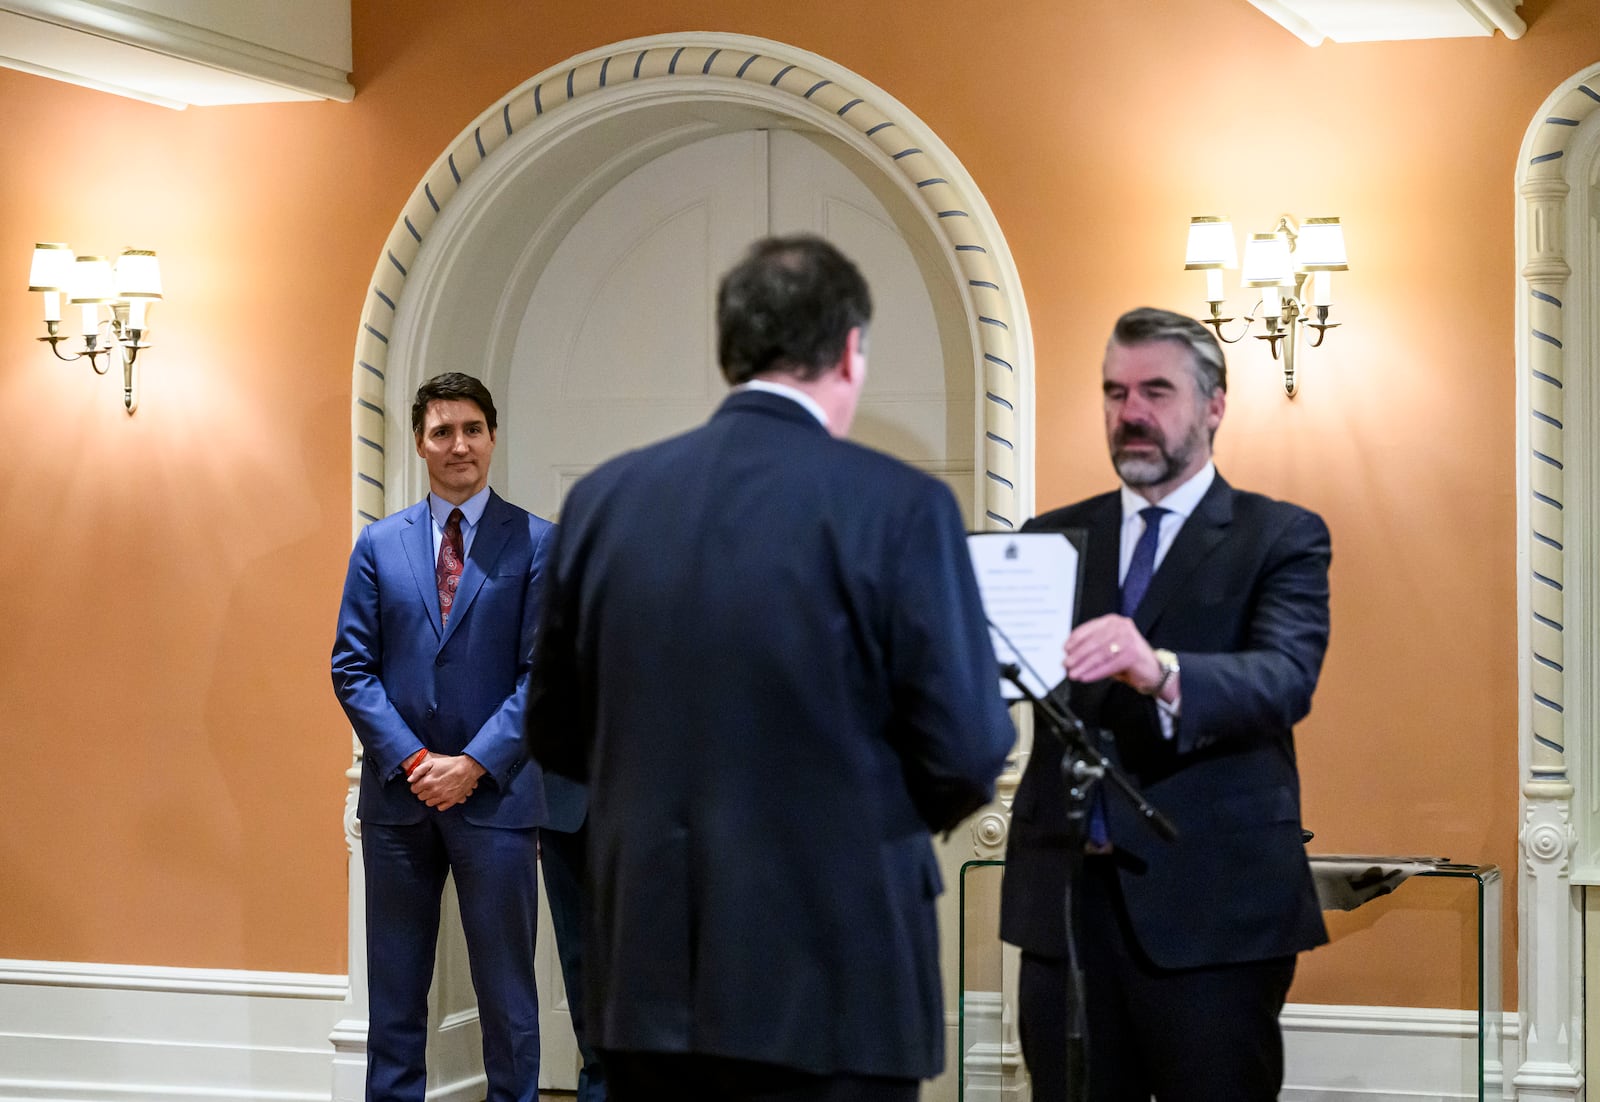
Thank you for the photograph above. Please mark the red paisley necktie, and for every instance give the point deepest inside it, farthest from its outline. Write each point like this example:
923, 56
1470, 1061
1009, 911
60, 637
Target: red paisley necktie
448, 571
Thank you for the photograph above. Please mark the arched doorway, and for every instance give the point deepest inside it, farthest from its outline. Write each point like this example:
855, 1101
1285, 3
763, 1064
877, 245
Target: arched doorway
537, 160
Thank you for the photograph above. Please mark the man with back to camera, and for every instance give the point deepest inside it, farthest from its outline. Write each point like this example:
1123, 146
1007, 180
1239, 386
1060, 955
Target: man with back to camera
763, 648
430, 662
1202, 627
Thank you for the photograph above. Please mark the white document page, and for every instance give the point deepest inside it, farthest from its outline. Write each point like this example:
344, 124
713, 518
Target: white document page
1029, 584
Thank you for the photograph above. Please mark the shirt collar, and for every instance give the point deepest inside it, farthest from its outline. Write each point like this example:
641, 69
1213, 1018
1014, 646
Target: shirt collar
1182, 500
471, 509
805, 400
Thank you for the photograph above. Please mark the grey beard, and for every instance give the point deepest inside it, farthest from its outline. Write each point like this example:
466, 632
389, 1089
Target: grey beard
1137, 471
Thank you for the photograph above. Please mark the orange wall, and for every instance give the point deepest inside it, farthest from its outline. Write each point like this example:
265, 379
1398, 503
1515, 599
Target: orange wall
175, 752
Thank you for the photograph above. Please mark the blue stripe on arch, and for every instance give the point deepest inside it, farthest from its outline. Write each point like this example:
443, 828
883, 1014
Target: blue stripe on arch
375, 408
538, 99
1555, 120
1546, 337
401, 268
387, 301
1547, 419
453, 170
1001, 440
1547, 622
672, 66
880, 126
366, 516
1551, 582
848, 106
1543, 157
1551, 379
783, 72
993, 321
369, 480
1546, 499
997, 400
412, 229
638, 63
1590, 92
1550, 743
997, 360
427, 189
505, 115
972, 249
817, 87
375, 333
374, 445
1542, 297
1548, 663
749, 61
1553, 706
997, 518
931, 181
1006, 482
954, 214
705, 70
572, 72
604, 66
369, 367
477, 136
1548, 542
1551, 460
984, 283
906, 153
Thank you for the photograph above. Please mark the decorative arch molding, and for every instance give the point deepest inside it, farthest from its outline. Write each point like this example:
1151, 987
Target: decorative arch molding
1558, 560
777, 81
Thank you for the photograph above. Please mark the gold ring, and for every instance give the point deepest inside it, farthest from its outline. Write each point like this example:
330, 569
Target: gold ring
1114, 649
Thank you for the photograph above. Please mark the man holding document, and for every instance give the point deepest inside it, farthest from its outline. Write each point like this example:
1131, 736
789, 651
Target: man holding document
1200, 635
763, 648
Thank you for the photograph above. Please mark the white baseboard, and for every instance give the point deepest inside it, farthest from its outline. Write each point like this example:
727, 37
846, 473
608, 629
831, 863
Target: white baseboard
74, 1032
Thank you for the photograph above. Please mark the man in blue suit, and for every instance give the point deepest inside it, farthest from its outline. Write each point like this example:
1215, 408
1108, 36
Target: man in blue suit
431, 664
1203, 622
764, 649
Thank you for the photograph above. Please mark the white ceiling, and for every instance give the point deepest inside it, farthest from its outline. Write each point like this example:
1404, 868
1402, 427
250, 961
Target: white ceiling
1393, 20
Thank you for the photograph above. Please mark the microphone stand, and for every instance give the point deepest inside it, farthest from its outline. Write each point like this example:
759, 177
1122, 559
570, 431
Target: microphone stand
1083, 767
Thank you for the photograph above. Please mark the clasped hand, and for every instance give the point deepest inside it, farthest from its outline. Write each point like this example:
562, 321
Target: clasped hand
443, 780
1111, 646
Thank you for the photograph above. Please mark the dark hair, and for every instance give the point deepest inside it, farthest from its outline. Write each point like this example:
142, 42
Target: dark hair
452, 386
1147, 325
788, 306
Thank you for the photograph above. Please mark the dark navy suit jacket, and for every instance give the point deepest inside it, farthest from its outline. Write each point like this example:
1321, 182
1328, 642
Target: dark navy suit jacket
764, 647
1242, 598
407, 683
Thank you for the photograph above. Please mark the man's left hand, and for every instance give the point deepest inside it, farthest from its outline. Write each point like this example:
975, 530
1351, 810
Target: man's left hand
1111, 646
443, 780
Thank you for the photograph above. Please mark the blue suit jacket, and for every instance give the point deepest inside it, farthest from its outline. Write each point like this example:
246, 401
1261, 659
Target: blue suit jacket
1242, 598
408, 683
766, 648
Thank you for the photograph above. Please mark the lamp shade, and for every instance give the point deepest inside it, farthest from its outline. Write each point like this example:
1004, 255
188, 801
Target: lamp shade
1210, 244
1321, 246
138, 274
52, 267
1267, 261
92, 282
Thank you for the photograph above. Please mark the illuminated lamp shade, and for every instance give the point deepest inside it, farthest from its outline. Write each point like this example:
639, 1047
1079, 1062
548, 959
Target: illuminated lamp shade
1210, 244
138, 274
1267, 261
1321, 246
52, 267
92, 282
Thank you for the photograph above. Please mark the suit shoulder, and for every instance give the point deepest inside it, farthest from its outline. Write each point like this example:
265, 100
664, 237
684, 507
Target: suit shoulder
395, 522
1071, 516
1250, 505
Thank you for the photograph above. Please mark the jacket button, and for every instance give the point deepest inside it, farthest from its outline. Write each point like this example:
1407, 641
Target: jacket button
429, 713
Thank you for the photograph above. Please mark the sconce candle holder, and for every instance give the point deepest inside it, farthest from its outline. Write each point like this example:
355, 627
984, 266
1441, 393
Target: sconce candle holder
1284, 265
125, 291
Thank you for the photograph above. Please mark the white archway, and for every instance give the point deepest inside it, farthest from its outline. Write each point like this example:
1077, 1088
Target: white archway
1558, 441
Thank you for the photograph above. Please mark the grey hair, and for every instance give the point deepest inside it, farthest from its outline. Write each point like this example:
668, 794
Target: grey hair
1147, 324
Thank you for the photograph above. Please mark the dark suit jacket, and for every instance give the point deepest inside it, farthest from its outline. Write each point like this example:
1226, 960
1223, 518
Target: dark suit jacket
764, 647
405, 683
1242, 598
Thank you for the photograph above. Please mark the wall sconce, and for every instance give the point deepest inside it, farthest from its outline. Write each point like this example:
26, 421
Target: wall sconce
91, 282
1280, 264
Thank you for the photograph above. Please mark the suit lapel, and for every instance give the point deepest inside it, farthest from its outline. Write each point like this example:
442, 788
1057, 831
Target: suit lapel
1099, 594
486, 548
1200, 535
418, 541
